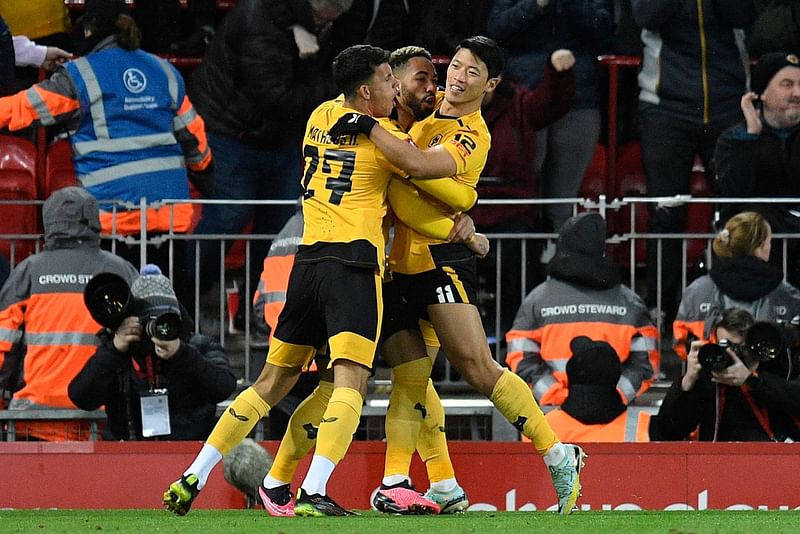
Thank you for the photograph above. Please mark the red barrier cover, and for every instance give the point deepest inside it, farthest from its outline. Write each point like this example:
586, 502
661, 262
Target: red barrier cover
496, 475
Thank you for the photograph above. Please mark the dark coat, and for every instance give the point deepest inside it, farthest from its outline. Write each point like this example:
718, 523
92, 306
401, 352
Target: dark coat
682, 411
197, 377
252, 85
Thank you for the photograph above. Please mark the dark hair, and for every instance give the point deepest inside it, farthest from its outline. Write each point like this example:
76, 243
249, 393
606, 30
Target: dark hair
735, 320
401, 56
112, 17
488, 51
355, 65
129, 36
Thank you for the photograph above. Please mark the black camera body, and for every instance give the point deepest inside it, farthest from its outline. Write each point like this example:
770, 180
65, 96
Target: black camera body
764, 341
109, 300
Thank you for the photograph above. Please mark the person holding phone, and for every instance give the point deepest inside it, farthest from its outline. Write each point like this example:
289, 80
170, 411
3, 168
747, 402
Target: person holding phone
760, 156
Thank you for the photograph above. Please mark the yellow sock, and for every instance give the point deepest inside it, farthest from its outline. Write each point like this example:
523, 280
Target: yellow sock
513, 398
238, 420
432, 443
405, 414
339, 423
301, 432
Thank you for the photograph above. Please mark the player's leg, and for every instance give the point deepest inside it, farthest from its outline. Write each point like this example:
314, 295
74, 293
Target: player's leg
404, 351
464, 342
432, 447
287, 356
353, 308
299, 439
235, 423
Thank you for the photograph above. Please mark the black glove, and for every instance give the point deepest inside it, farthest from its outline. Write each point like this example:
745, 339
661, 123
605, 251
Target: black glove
352, 124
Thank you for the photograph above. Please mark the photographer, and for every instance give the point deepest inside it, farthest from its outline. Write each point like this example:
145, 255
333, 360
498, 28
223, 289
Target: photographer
733, 390
154, 380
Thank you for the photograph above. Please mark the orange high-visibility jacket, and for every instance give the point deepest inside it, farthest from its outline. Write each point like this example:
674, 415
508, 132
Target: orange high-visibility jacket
555, 312
630, 425
41, 306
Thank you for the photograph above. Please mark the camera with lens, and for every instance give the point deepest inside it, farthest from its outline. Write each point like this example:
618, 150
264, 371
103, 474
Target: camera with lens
764, 341
109, 300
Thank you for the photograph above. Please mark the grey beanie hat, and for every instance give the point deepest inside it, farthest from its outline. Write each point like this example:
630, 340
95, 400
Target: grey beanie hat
156, 289
71, 213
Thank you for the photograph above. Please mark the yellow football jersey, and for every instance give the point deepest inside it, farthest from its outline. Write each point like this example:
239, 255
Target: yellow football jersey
467, 140
344, 192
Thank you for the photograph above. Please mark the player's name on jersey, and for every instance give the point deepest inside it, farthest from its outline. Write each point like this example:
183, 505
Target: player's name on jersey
318, 135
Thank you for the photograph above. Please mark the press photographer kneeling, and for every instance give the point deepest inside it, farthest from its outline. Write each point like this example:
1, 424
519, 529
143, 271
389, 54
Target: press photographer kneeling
742, 386
155, 379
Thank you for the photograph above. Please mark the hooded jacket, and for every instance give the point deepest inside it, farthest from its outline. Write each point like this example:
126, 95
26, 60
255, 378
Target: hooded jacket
41, 308
744, 282
582, 297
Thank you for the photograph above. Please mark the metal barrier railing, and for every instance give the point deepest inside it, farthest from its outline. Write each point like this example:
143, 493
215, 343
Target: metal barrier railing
627, 232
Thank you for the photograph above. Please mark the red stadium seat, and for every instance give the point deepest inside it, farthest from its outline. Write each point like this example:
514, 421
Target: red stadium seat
58, 169
699, 216
630, 182
18, 188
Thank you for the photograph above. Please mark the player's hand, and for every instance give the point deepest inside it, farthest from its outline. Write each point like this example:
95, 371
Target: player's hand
479, 244
129, 331
562, 59
352, 124
751, 114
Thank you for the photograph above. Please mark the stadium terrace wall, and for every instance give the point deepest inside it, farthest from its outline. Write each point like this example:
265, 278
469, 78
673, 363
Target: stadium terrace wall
497, 475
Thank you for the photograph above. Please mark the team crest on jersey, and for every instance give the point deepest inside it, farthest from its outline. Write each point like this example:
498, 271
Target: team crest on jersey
135, 81
435, 140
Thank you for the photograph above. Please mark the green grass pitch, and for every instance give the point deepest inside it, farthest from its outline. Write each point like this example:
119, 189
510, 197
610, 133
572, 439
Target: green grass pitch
256, 521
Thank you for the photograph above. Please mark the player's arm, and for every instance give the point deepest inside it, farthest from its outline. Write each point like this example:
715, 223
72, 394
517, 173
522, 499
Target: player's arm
459, 196
424, 217
433, 162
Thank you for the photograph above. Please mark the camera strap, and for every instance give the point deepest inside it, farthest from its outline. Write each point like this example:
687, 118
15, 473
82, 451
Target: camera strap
761, 413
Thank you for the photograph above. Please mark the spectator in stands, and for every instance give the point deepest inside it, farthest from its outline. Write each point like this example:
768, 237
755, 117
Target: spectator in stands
688, 96
153, 387
44, 298
530, 30
202, 21
582, 297
776, 28
740, 277
134, 133
388, 24
745, 401
593, 409
513, 114
255, 92
442, 24
760, 156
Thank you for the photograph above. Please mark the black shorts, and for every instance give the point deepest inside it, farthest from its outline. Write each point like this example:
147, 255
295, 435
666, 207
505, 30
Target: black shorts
398, 315
329, 301
449, 283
